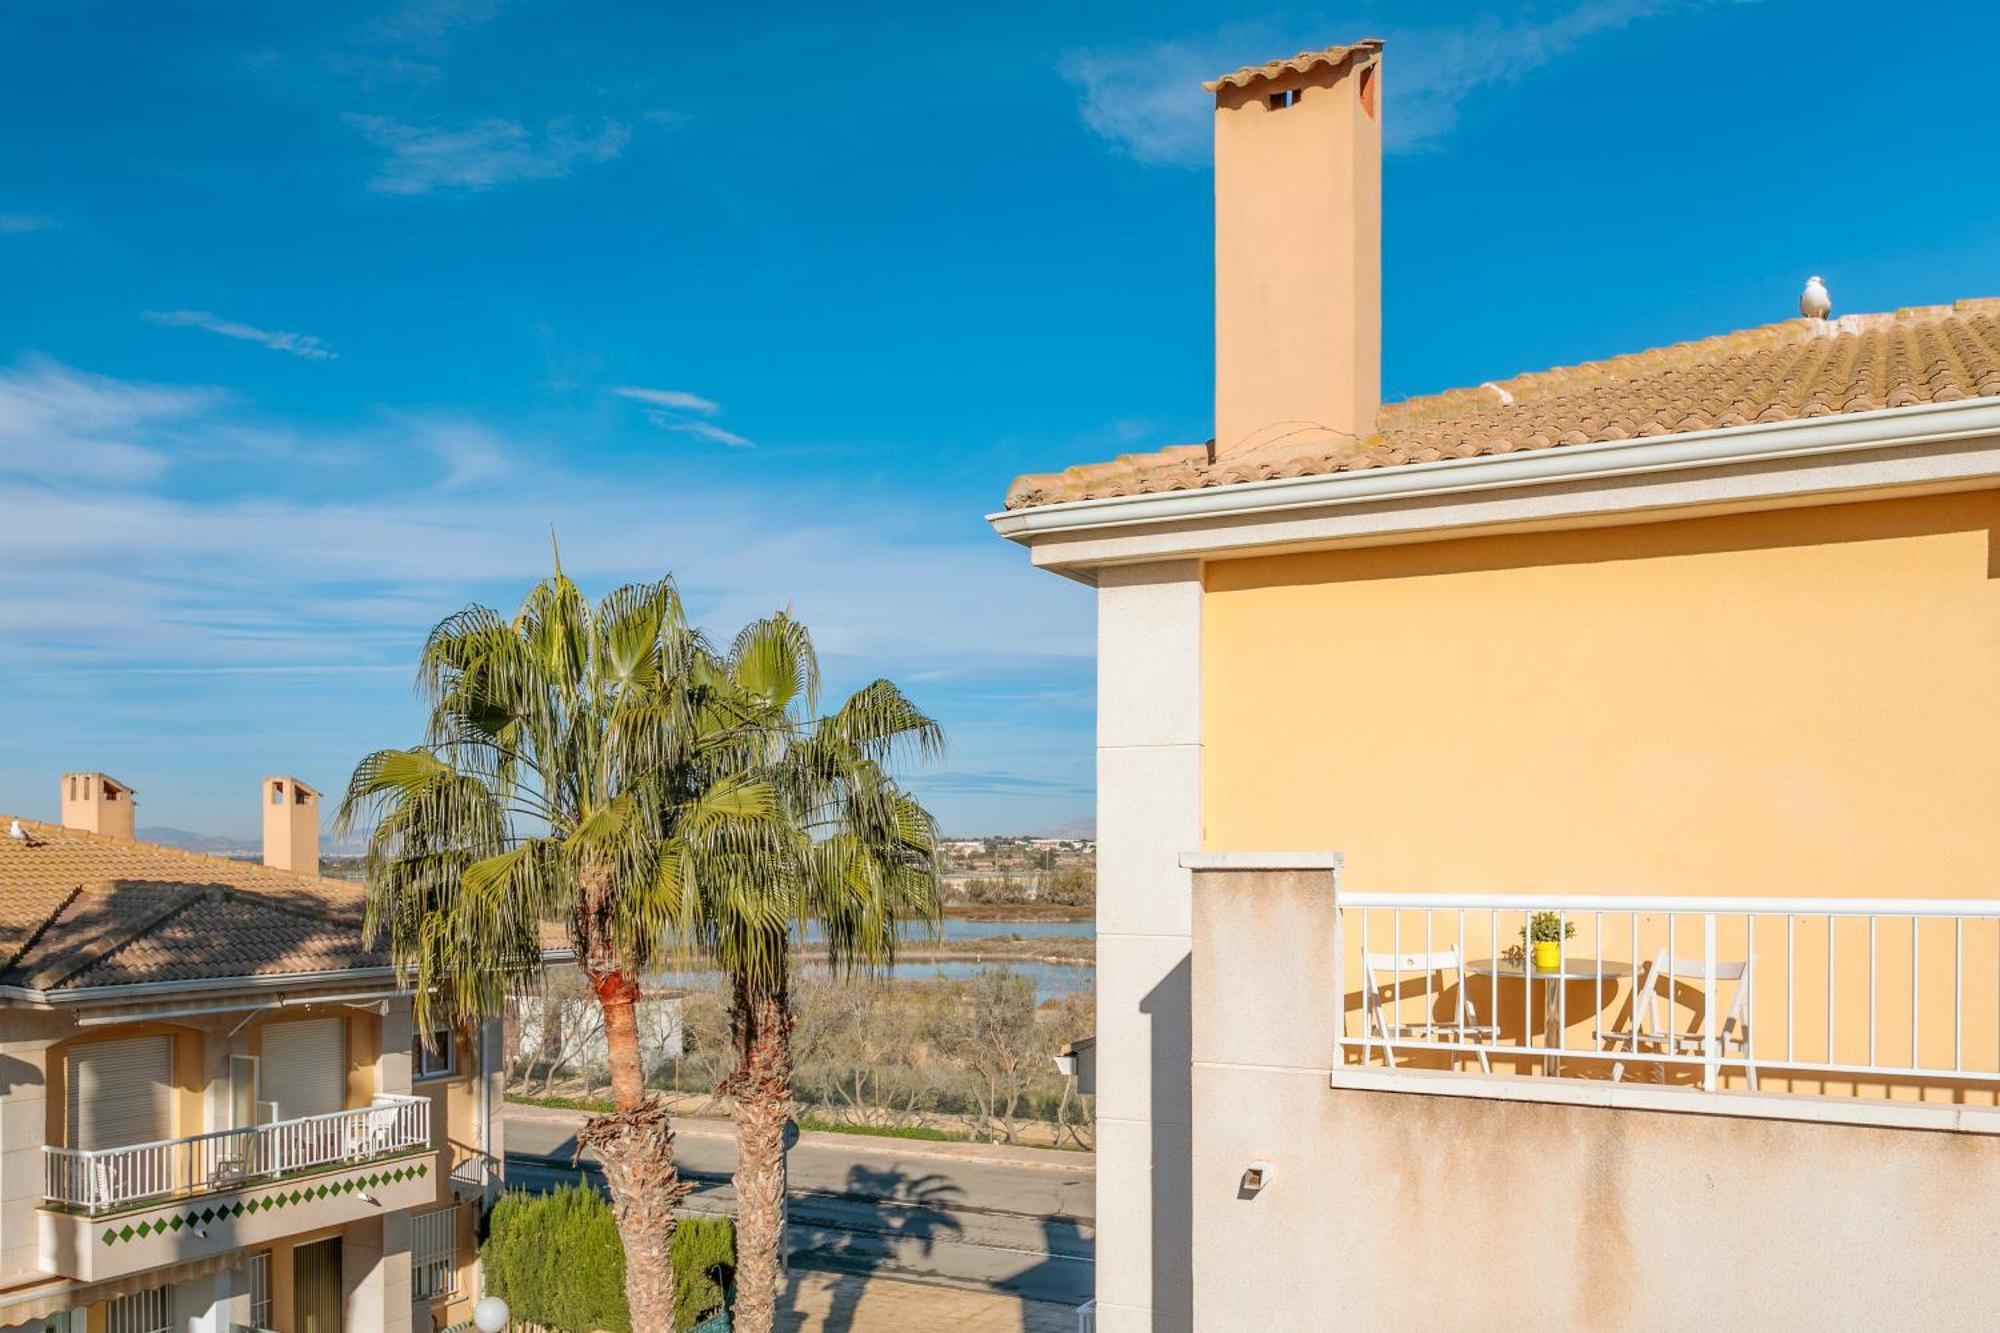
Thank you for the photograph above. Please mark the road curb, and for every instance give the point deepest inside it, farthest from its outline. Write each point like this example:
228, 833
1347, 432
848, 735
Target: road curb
996, 1154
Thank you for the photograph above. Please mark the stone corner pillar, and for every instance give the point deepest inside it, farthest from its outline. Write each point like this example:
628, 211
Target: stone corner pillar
1264, 1195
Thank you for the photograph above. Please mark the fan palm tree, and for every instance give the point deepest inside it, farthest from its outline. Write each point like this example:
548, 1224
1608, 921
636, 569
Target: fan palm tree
858, 857
568, 775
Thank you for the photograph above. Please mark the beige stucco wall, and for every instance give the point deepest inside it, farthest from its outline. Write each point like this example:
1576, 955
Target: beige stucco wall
1396, 1210
1298, 259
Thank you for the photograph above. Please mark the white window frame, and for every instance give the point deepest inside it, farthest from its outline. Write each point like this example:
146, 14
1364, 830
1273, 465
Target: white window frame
434, 1254
421, 1071
148, 1311
260, 1289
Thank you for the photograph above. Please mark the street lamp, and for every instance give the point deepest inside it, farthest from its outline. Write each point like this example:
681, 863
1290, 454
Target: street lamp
490, 1315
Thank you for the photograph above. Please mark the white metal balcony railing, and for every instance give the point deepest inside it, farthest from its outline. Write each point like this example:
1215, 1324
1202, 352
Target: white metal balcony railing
97, 1180
471, 1170
1857, 997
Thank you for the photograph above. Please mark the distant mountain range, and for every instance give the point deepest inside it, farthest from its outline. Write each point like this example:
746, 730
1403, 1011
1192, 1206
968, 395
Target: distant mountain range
251, 849
239, 849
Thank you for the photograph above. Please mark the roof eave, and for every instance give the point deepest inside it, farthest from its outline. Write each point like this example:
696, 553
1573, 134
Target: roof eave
1574, 466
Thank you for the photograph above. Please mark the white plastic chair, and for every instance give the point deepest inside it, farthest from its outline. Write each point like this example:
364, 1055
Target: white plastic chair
1401, 967
376, 1132
1650, 1021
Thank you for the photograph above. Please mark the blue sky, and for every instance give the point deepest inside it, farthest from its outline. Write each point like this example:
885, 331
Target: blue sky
314, 318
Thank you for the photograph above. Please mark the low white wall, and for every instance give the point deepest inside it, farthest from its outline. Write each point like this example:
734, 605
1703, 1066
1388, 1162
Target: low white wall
1405, 1210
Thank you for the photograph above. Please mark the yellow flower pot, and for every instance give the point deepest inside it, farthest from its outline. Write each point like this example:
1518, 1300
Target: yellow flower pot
1548, 955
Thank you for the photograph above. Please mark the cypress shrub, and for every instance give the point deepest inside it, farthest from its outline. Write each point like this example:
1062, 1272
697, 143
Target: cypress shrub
557, 1260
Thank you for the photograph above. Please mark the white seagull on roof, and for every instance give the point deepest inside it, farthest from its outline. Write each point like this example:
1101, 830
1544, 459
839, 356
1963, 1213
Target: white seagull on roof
1814, 302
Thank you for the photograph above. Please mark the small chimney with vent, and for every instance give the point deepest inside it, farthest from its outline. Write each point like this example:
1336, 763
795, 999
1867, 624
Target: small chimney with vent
291, 825
1298, 249
97, 803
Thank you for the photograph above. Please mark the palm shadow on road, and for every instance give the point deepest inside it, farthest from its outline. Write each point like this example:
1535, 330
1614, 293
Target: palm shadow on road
900, 1214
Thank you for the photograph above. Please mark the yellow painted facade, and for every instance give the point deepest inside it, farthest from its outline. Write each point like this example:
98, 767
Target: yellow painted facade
1793, 702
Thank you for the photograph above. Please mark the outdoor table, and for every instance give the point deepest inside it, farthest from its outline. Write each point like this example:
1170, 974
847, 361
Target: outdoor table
1572, 969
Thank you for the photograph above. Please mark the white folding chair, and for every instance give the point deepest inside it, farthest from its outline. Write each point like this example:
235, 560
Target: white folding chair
1382, 995
375, 1133
1650, 1021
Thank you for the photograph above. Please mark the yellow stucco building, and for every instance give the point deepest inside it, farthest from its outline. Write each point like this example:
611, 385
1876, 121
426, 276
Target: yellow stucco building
1544, 826
215, 1111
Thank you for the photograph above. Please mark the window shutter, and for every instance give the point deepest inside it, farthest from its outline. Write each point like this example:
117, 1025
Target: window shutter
304, 1069
121, 1092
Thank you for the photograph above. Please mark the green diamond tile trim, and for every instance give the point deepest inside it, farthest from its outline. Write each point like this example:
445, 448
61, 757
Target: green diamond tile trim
264, 1203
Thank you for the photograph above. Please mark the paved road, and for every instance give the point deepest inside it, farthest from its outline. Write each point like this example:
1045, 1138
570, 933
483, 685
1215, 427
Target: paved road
1016, 1221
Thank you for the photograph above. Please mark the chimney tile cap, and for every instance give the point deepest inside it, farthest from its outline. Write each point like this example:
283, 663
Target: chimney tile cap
300, 784
1298, 64
103, 778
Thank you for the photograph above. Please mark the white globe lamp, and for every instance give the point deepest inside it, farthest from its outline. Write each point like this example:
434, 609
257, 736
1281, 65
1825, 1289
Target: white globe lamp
490, 1315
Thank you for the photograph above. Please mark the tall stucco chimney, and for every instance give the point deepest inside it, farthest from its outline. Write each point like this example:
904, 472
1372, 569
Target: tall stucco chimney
291, 825
1298, 249
97, 803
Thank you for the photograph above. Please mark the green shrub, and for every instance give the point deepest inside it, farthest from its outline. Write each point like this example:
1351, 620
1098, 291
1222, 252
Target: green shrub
557, 1260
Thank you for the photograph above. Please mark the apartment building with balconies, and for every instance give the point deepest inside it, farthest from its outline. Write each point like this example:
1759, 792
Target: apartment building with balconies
215, 1113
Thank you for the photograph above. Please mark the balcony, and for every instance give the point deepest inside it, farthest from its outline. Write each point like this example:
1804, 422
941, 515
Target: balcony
107, 1180
114, 1211
1862, 1000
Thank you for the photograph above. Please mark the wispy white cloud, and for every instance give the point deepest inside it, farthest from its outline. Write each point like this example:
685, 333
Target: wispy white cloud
305, 345
484, 153
471, 453
186, 631
60, 425
15, 224
1148, 100
678, 399
310, 578
681, 411
702, 430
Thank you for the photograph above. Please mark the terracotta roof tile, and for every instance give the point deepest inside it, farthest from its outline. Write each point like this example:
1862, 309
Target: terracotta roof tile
1781, 372
1298, 64
79, 909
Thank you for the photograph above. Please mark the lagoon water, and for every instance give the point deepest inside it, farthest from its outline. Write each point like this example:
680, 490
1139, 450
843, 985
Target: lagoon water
958, 928
1052, 980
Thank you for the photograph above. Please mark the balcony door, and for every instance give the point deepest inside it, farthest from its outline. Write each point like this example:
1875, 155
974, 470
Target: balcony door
316, 1287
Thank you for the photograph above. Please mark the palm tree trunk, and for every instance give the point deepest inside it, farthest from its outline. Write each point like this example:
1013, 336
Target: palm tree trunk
761, 1084
635, 1144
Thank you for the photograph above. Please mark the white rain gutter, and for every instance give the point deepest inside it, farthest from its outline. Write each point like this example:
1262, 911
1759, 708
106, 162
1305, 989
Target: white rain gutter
141, 990
350, 998
1850, 432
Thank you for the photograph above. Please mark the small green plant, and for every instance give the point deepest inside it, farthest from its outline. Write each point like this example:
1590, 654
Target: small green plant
557, 1259
1548, 928
1542, 928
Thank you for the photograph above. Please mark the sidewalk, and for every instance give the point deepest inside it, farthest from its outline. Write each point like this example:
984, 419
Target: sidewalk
848, 1303
715, 1127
